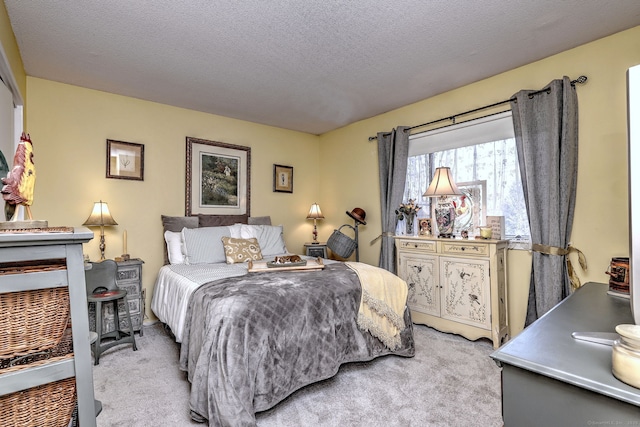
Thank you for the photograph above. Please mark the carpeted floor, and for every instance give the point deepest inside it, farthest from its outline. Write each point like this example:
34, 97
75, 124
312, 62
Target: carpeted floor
450, 382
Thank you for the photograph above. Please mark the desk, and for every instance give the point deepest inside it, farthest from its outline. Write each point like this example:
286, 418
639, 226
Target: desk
549, 378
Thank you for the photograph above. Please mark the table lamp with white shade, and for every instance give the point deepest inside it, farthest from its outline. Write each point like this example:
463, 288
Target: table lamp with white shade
100, 217
442, 185
315, 214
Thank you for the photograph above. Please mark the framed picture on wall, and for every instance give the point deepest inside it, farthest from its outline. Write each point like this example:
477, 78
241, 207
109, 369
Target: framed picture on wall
217, 178
125, 160
283, 179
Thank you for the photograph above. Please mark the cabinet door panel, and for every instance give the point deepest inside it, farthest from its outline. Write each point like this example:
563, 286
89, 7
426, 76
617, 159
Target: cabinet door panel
421, 274
466, 291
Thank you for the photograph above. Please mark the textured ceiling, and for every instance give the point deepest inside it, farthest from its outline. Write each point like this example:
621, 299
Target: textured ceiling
305, 65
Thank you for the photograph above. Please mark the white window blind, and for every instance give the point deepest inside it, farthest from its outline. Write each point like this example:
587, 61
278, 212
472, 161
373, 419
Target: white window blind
491, 128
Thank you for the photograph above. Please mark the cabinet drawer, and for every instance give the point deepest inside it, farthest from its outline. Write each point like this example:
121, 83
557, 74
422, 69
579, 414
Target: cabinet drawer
132, 288
128, 273
465, 248
417, 245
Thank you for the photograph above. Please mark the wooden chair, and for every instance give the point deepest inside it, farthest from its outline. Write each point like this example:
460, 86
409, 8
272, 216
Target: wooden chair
102, 289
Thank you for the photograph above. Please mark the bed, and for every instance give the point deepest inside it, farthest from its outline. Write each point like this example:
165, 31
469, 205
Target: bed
250, 339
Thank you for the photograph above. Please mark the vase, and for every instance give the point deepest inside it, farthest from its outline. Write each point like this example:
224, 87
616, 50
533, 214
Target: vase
409, 225
445, 219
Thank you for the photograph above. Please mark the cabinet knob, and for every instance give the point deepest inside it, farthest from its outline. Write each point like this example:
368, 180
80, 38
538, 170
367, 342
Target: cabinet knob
462, 248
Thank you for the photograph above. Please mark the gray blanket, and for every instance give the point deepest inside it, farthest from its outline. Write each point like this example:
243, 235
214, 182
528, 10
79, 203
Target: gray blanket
251, 341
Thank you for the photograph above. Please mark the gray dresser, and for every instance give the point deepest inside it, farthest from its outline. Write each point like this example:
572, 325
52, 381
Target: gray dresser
551, 379
61, 255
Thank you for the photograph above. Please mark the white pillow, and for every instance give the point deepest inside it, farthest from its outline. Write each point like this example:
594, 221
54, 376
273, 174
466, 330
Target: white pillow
204, 245
243, 231
174, 247
270, 237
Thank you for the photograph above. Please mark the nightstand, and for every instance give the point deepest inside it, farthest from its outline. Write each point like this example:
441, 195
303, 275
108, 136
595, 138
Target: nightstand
316, 249
129, 278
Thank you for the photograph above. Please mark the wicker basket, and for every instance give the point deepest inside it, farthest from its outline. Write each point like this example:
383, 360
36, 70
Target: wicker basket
63, 351
32, 321
48, 405
341, 244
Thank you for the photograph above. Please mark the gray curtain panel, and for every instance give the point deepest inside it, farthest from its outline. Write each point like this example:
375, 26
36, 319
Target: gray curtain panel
546, 129
393, 151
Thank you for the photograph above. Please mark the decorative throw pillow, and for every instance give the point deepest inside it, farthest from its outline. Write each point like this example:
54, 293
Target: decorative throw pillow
241, 250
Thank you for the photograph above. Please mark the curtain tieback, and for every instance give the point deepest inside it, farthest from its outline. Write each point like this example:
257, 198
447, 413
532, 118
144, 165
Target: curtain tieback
554, 250
385, 234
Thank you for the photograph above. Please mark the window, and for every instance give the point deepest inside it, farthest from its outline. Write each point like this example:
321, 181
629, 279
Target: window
481, 152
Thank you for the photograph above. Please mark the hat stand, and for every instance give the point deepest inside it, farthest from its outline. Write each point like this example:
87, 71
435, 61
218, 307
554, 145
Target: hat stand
358, 215
355, 228
356, 223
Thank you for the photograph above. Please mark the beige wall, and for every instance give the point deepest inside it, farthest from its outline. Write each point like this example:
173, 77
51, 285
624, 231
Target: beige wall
69, 127
10, 47
349, 160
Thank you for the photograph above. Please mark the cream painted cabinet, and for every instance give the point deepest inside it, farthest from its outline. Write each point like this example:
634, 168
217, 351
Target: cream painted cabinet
456, 286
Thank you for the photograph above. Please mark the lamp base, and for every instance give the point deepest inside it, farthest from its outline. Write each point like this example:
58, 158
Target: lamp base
445, 219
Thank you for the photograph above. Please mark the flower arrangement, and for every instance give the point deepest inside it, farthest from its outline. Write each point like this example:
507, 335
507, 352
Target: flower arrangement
408, 210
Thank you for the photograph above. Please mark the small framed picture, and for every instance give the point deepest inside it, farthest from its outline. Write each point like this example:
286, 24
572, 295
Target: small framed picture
425, 229
125, 160
283, 179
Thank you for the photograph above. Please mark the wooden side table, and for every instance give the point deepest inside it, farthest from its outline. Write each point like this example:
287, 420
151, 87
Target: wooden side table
316, 249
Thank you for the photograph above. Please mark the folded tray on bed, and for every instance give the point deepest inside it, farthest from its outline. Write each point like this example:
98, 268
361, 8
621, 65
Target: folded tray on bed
261, 266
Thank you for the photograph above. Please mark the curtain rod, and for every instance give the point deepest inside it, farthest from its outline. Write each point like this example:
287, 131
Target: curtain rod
581, 80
